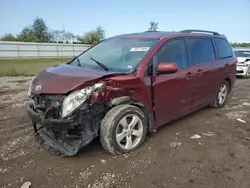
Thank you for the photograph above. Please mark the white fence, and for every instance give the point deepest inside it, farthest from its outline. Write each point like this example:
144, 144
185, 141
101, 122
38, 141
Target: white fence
39, 50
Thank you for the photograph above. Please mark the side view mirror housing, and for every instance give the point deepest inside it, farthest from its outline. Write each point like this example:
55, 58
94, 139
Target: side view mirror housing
167, 68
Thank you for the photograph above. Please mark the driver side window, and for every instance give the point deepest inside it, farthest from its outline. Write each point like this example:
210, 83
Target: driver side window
172, 51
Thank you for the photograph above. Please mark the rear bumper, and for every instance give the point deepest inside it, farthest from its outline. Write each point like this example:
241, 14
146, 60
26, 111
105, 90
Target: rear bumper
55, 135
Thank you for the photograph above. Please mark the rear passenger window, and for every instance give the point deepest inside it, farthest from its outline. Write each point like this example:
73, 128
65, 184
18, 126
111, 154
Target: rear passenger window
201, 50
223, 48
173, 51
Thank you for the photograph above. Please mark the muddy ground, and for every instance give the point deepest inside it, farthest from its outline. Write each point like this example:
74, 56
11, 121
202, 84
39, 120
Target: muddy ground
169, 158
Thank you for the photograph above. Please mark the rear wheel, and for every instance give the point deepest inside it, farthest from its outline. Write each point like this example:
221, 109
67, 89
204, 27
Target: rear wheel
222, 95
123, 129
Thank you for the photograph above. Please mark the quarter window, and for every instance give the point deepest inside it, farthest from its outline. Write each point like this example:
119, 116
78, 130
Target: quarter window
223, 48
201, 50
173, 51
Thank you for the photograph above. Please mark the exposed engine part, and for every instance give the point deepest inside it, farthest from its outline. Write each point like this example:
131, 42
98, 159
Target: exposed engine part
64, 137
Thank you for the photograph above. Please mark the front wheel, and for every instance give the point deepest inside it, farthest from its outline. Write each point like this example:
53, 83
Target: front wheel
123, 129
222, 95
247, 73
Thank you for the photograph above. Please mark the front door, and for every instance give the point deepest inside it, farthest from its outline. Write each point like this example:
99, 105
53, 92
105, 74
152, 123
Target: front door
202, 59
173, 93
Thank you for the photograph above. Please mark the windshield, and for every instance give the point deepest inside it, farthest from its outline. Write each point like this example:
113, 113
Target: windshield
116, 54
242, 53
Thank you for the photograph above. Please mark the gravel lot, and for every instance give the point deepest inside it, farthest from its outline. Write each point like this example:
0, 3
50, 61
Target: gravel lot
169, 158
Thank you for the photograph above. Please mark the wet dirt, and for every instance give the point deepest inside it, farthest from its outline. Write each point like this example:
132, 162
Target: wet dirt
218, 157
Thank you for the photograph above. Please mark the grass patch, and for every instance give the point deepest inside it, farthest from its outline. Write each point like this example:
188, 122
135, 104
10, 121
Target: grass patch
27, 67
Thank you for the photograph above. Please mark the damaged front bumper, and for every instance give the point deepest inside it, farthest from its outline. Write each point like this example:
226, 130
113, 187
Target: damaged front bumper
64, 137
242, 70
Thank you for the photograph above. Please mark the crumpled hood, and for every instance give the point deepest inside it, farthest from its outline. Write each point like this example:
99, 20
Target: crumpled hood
63, 78
242, 59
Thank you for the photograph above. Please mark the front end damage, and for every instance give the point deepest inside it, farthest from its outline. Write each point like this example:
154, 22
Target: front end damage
63, 136
66, 133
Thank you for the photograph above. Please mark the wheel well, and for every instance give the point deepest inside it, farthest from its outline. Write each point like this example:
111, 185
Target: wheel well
138, 104
146, 114
229, 83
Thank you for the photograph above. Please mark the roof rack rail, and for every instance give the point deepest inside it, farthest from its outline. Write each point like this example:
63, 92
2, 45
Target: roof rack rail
199, 31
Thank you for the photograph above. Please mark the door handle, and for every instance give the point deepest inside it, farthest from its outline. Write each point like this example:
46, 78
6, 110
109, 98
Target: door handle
199, 72
189, 76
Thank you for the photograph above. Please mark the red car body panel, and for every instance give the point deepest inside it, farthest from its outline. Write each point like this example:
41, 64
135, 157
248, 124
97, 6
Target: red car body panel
174, 95
162, 97
190, 88
62, 79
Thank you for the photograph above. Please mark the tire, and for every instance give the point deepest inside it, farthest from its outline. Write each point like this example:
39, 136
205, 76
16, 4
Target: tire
247, 76
112, 129
218, 103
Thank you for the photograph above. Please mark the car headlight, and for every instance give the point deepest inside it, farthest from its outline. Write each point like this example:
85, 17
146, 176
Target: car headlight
77, 98
30, 87
243, 65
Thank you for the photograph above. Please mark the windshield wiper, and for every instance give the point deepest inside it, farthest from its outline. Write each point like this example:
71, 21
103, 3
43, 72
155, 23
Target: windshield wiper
78, 62
100, 64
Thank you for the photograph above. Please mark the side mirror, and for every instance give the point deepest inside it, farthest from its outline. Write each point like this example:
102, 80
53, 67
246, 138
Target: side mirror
167, 68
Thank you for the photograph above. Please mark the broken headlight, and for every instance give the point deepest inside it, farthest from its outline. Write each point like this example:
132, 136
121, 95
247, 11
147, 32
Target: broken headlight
30, 87
76, 98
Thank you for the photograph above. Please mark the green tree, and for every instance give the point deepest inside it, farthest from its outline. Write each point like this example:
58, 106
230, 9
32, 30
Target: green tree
40, 31
236, 44
37, 32
153, 26
26, 35
8, 37
93, 36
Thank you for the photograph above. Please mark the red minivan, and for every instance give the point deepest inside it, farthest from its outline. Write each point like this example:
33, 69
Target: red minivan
127, 86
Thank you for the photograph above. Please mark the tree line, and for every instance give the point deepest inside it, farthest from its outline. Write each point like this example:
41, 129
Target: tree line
39, 32
243, 44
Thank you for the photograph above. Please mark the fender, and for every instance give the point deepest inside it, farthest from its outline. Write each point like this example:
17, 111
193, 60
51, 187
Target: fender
129, 100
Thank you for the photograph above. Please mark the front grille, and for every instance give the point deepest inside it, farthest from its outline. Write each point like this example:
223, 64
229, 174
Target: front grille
47, 104
240, 71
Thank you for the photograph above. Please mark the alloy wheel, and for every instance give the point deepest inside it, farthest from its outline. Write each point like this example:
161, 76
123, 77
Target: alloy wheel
129, 131
222, 94
248, 73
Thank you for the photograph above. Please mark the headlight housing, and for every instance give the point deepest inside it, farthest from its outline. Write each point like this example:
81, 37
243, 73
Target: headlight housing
30, 87
77, 98
245, 64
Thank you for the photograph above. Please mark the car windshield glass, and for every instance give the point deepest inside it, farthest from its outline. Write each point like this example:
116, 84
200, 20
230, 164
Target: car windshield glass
116, 54
242, 53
